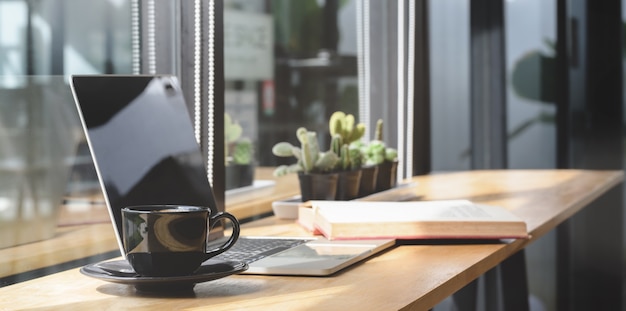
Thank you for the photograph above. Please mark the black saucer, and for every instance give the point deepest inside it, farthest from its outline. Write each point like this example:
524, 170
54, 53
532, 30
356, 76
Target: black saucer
120, 271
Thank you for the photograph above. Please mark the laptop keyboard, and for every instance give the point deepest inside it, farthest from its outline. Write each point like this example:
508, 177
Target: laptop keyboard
250, 250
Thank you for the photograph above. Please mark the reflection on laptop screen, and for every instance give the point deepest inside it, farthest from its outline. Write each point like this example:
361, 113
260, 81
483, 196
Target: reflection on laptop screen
138, 128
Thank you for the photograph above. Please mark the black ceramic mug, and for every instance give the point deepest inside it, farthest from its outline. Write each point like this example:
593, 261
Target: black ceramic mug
171, 240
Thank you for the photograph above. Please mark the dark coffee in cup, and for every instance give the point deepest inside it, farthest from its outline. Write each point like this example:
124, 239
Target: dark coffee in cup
171, 240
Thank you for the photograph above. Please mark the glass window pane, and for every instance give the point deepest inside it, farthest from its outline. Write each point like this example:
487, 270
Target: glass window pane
97, 36
450, 84
41, 43
13, 17
531, 60
288, 64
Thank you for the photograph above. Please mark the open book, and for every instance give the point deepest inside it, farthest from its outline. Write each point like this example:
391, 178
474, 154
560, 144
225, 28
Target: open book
449, 219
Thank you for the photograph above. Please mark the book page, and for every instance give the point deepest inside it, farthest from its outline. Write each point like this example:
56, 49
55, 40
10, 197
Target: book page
452, 210
465, 211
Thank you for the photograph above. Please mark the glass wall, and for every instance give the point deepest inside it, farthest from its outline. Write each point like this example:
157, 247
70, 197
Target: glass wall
291, 65
48, 37
530, 56
288, 65
41, 141
530, 46
450, 84
531, 103
41, 43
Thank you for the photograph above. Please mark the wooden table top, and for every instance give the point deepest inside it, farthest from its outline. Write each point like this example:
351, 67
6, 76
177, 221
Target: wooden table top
411, 277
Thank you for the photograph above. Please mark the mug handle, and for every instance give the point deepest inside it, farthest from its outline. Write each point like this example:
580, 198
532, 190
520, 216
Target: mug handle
233, 237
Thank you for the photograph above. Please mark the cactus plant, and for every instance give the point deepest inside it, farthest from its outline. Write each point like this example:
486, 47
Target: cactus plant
343, 124
310, 158
350, 157
373, 152
238, 156
242, 148
378, 134
376, 152
243, 151
356, 158
343, 133
386, 158
232, 130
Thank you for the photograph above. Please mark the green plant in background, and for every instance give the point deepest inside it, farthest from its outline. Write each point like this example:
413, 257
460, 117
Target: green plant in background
343, 133
242, 148
310, 158
243, 151
343, 125
533, 79
356, 157
376, 152
336, 146
350, 157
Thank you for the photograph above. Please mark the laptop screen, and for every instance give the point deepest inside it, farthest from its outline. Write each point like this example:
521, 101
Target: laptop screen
142, 142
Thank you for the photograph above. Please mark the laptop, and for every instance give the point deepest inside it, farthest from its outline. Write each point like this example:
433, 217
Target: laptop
144, 150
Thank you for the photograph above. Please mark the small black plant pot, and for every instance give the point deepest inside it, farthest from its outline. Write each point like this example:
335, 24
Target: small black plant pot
387, 172
348, 185
239, 175
368, 180
318, 186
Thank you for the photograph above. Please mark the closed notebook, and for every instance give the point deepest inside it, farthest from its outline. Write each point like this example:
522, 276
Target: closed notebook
450, 219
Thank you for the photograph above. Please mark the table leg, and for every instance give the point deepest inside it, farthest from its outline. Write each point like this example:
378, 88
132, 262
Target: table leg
465, 298
514, 282
505, 288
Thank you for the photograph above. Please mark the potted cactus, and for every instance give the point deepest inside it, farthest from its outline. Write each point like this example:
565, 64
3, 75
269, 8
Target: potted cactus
369, 169
314, 167
376, 153
238, 155
343, 133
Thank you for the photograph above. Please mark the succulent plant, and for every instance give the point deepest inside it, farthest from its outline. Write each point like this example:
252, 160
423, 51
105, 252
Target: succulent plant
343, 124
310, 158
376, 152
350, 158
343, 132
356, 157
242, 147
378, 134
243, 151
232, 130
373, 152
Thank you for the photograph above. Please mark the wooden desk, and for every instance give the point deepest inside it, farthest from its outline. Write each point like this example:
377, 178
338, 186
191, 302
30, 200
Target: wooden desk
412, 277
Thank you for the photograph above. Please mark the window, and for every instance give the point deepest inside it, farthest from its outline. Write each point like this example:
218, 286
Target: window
290, 64
40, 43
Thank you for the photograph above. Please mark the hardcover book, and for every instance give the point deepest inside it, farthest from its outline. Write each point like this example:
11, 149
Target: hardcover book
445, 219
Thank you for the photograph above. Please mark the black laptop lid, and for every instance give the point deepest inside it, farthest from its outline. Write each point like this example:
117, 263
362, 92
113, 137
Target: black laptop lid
142, 142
